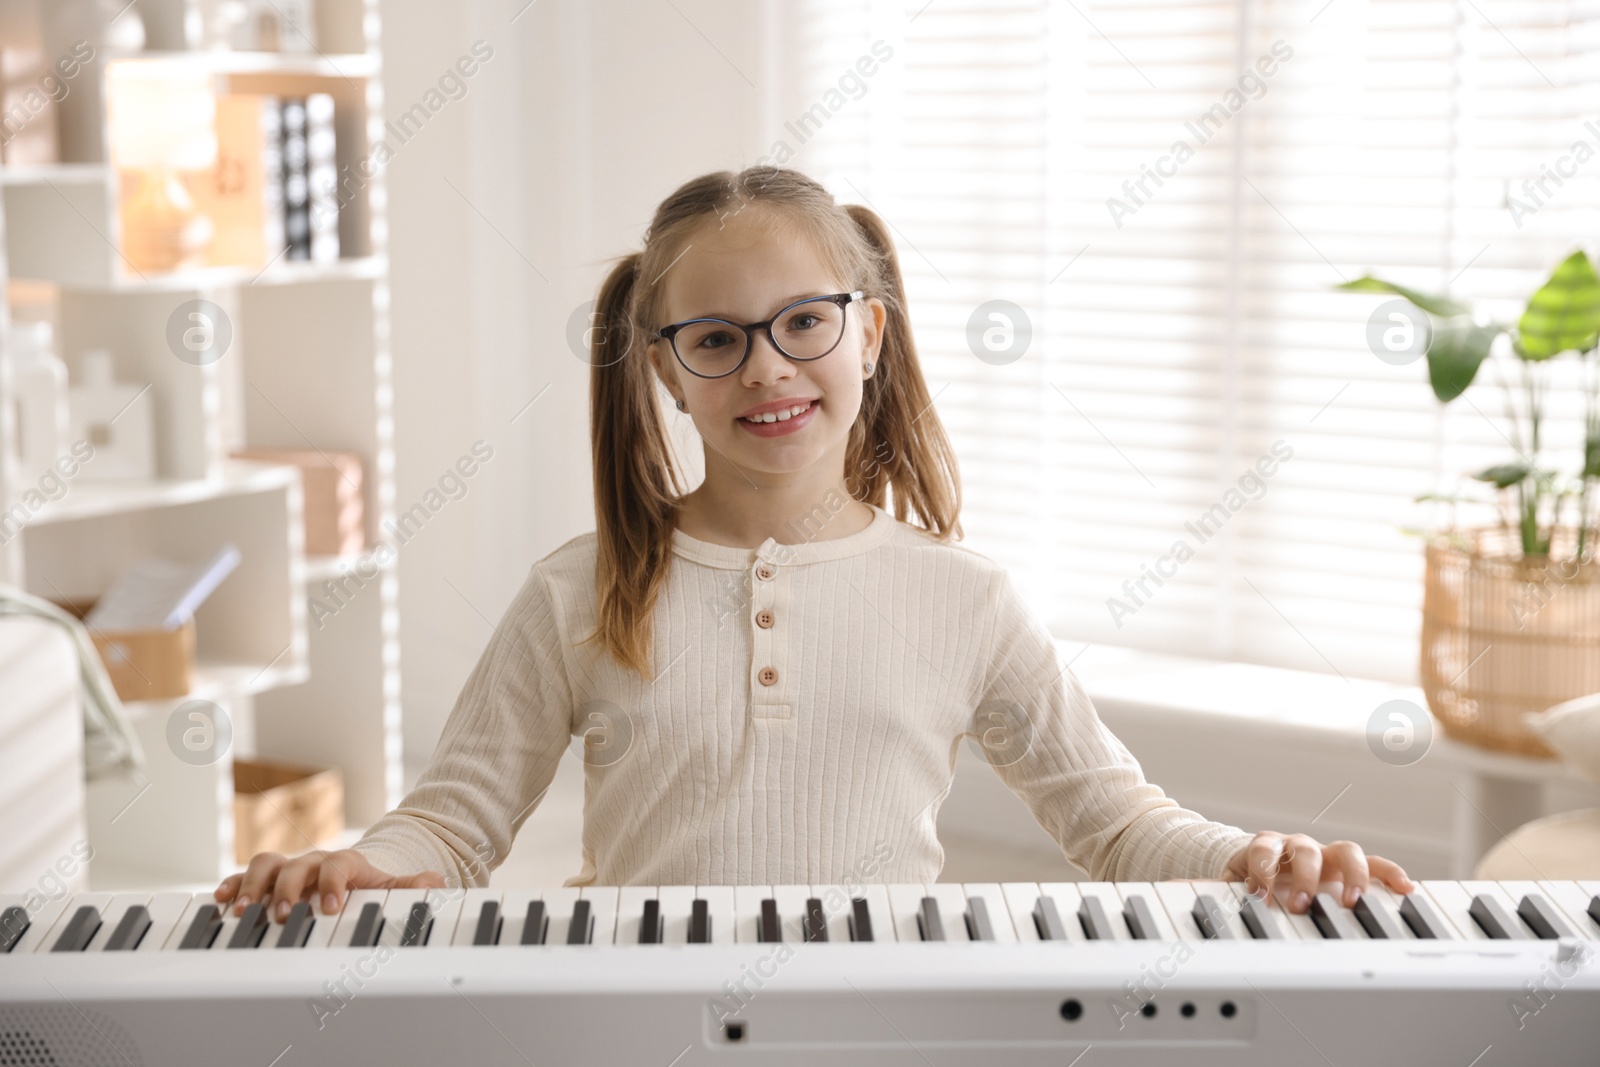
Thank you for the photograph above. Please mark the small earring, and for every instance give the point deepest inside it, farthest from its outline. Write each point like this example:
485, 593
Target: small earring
681, 406
867, 366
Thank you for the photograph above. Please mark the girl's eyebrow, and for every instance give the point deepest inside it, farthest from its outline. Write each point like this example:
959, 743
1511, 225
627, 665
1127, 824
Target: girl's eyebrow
785, 302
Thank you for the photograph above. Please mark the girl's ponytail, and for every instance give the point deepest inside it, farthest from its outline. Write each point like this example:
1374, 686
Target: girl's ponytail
636, 480
898, 440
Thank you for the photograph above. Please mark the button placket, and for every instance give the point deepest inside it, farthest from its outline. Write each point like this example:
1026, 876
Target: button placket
769, 665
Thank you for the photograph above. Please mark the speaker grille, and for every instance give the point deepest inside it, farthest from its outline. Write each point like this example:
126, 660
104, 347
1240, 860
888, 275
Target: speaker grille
50, 1035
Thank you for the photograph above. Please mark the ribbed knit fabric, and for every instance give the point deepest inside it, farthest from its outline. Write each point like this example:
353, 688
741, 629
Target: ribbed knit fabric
883, 649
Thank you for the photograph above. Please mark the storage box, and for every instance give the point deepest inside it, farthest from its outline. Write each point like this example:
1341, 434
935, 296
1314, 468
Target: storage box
335, 523
283, 807
144, 664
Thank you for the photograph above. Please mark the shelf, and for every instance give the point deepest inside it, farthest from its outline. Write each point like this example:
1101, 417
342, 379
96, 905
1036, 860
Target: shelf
223, 61
217, 681
323, 568
88, 500
282, 272
56, 174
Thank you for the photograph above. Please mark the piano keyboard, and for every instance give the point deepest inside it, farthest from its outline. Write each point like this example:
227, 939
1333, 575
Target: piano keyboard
1198, 967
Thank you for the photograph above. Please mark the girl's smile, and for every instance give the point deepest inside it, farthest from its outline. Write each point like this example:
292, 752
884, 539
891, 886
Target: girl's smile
783, 420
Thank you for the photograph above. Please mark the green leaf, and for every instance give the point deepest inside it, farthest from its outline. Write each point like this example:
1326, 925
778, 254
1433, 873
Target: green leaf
1438, 305
1455, 352
1505, 475
1564, 314
1591, 453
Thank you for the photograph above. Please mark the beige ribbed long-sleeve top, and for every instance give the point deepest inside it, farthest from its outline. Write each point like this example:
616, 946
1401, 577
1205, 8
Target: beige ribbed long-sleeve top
802, 726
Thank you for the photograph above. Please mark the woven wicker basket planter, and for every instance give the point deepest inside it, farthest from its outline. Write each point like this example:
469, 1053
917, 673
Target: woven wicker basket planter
1503, 634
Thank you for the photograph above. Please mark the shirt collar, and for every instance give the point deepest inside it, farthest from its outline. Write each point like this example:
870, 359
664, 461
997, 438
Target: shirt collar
800, 549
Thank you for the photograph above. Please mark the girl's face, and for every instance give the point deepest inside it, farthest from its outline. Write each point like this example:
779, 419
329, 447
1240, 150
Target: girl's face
745, 267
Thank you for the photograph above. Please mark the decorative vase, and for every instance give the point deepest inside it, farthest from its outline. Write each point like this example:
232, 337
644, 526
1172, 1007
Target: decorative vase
1504, 634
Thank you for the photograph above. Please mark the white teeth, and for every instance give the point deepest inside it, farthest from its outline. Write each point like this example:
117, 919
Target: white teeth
778, 416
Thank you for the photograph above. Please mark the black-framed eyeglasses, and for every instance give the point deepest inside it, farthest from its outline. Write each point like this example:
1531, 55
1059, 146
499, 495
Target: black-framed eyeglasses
804, 330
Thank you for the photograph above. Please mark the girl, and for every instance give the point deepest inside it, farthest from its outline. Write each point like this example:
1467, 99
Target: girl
772, 673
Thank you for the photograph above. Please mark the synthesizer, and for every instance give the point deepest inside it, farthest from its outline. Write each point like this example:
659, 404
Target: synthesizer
1190, 972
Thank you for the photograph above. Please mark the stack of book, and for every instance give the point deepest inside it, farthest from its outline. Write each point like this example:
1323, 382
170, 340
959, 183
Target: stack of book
273, 191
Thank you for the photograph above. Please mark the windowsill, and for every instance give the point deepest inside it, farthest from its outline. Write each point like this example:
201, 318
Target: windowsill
1298, 707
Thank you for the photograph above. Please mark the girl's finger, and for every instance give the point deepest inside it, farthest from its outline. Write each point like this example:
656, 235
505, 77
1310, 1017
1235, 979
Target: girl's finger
1262, 860
1305, 872
229, 886
1344, 861
1391, 874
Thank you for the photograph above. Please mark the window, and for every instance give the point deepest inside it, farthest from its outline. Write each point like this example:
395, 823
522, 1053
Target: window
1169, 191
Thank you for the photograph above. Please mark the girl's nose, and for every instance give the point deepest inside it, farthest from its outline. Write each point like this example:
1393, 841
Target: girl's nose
766, 363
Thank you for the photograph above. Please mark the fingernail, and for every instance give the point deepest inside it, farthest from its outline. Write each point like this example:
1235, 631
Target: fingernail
219, 890
283, 910
242, 902
1302, 900
329, 903
1352, 895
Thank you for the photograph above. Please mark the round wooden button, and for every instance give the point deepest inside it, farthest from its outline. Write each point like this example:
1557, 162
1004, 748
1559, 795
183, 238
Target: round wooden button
765, 571
764, 619
768, 676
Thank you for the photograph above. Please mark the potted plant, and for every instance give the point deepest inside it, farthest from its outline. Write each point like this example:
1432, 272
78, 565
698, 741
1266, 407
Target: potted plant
1511, 611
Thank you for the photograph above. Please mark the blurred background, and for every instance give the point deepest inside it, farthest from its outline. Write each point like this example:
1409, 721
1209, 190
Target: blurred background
296, 391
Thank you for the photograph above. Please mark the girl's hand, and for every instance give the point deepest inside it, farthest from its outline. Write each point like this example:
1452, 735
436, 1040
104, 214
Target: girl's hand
273, 876
1308, 864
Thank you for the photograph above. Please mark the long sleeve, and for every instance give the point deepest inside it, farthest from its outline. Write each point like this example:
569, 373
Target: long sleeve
496, 757
1037, 727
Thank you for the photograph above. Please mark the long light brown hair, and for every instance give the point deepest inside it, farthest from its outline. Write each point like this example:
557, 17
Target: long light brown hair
897, 441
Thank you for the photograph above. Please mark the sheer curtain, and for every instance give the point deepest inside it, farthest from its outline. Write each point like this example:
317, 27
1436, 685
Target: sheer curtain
1175, 435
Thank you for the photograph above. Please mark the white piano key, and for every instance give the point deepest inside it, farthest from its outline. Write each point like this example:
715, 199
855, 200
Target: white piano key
994, 900
1178, 898
952, 898
1067, 901
677, 904
747, 912
630, 908
447, 908
1020, 897
354, 901
836, 909
881, 912
792, 910
1389, 897
603, 906
396, 909
558, 904
514, 913
112, 914
323, 926
1452, 903
63, 918
191, 907
165, 911
1574, 903
1277, 915
472, 902
1514, 890
719, 901
1106, 893
1165, 931
905, 900
1473, 887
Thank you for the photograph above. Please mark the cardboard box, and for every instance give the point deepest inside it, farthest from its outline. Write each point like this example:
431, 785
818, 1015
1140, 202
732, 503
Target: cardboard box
144, 664
335, 519
284, 807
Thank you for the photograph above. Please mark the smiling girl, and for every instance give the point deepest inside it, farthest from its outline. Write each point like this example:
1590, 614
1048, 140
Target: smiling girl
772, 673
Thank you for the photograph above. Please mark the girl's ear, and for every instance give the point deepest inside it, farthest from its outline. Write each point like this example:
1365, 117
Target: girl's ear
873, 324
664, 368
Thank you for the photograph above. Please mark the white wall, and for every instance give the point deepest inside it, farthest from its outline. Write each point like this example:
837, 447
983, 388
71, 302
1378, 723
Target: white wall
587, 115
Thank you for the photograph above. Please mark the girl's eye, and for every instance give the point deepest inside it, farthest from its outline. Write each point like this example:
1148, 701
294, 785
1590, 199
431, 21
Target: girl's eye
804, 320
719, 339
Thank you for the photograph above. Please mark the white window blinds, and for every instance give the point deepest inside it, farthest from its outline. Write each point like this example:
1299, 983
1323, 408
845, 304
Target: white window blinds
1198, 452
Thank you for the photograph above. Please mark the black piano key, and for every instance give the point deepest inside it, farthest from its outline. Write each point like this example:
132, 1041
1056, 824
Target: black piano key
770, 927
419, 922
1419, 914
861, 919
815, 925
1257, 919
297, 927
1494, 920
14, 922
1096, 923
580, 931
369, 925
203, 930
979, 928
928, 920
651, 928
700, 923
135, 923
1047, 920
487, 932
1141, 922
82, 927
1332, 920
1378, 919
536, 925
252, 927
1543, 919
1594, 909
1209, 916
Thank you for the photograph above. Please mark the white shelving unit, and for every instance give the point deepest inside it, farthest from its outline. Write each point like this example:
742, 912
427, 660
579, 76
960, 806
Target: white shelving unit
309, 368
